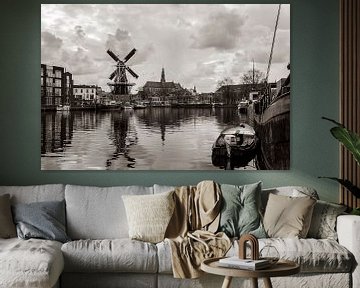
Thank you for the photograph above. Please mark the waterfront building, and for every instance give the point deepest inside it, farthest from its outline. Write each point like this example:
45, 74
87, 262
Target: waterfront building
233, 94
56, 87
205, 98
85, 95
162, 90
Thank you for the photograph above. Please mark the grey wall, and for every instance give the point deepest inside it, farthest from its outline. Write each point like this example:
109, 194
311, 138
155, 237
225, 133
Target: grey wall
314, 73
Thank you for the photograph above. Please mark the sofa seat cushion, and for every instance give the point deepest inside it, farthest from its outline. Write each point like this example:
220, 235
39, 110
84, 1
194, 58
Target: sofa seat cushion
313, 255
30, 263
110, 255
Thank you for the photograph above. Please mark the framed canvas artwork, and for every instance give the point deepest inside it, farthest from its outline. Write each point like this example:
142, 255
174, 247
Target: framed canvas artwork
165, 86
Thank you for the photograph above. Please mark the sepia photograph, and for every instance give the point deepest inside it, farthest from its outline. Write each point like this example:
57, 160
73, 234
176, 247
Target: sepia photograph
165, 86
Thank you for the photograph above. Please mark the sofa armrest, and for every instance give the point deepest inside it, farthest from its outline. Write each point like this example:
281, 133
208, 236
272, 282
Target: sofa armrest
348, 230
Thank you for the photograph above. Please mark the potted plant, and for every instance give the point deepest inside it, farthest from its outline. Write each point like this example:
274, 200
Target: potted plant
351, 141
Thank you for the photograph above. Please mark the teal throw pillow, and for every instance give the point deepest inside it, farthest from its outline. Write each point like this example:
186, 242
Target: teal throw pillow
43, 220
240, 212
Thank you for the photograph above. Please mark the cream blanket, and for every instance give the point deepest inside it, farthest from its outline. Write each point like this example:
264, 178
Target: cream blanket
191, 231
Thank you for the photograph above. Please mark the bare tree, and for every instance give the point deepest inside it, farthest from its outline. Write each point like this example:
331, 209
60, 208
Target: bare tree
253, 77
225, 82
224, 87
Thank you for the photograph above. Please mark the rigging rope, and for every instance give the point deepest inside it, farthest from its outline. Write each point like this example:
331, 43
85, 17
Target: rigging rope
272, 44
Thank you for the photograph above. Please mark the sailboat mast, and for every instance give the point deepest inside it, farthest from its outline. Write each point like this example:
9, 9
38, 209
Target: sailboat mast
253, 75
272, 44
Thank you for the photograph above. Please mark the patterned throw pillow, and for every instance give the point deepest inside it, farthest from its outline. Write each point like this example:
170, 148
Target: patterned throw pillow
323, 223
149, 215
288, 217
7, 226
240, 213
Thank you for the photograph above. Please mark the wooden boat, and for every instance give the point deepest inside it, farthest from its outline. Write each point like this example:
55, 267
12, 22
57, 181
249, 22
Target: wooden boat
272, 125
140, 105
63, 108
239, 143
128, 106
243, 106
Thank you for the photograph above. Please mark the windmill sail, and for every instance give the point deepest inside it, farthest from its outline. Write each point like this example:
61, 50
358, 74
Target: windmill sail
112, 55
132, 52
132, 72
113, 74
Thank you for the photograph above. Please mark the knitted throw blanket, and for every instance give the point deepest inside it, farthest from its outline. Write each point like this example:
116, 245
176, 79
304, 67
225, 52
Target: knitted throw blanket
191, 232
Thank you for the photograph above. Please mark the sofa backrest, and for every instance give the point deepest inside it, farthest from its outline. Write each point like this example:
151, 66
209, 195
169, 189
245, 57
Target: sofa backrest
98, 212
293, 191
35, 193
162, 188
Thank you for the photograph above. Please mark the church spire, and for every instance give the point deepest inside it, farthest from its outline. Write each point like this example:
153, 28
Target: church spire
162, 75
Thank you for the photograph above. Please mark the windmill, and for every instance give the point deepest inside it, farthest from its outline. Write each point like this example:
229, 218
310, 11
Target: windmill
121, 84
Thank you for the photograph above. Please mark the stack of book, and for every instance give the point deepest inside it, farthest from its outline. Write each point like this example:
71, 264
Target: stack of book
248, 264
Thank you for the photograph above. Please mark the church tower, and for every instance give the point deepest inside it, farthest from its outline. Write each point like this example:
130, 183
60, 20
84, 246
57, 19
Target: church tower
162, 75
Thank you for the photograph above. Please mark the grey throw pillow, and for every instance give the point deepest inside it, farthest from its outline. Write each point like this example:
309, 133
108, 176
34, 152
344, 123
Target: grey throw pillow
323, 222
7, 226
240, 213
44, 220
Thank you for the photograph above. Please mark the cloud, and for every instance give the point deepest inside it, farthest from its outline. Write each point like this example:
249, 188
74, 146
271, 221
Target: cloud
79, 31
80, 62
142, 55
221, 31
51, 48
196, 44
50, 41
120, 42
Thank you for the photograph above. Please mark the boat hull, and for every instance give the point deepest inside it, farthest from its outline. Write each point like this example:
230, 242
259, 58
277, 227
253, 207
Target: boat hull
273, 129
235, 147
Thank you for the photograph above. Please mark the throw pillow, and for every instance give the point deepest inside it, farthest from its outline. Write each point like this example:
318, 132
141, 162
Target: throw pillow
44, 220
323, 222
287, 217
240, 210
7, 226
149, 215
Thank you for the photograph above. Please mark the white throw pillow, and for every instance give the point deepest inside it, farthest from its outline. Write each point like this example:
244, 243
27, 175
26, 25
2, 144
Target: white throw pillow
149, 215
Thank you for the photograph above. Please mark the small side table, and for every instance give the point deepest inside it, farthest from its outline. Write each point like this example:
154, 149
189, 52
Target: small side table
281, 268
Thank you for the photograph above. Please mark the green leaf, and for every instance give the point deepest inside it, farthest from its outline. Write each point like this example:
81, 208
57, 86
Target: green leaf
355, 211
349, 139
347, 184
333, 121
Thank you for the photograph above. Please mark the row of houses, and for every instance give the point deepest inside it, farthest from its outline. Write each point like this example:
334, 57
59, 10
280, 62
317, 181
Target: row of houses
58, 88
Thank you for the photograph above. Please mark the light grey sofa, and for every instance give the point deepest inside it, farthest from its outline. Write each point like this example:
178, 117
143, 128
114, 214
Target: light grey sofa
101, 254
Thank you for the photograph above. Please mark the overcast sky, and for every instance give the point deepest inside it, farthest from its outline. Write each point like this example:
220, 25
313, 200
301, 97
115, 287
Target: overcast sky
197, 44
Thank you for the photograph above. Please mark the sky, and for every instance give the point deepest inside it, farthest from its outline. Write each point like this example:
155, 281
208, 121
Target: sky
197, 44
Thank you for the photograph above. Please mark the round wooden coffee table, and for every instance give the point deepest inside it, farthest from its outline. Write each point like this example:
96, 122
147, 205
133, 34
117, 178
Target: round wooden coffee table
281, 268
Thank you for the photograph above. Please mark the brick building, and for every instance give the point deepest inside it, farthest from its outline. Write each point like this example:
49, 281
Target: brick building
56, 87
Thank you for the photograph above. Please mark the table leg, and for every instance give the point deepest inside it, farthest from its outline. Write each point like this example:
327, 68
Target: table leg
254, 282
267, 283
227, 282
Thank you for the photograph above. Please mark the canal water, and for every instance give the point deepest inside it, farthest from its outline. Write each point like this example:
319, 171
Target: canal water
145, 139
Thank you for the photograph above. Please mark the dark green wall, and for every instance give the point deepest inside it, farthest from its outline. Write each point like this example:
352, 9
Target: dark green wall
314, 73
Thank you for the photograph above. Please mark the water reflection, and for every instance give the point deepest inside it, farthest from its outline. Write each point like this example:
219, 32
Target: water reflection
151, 138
